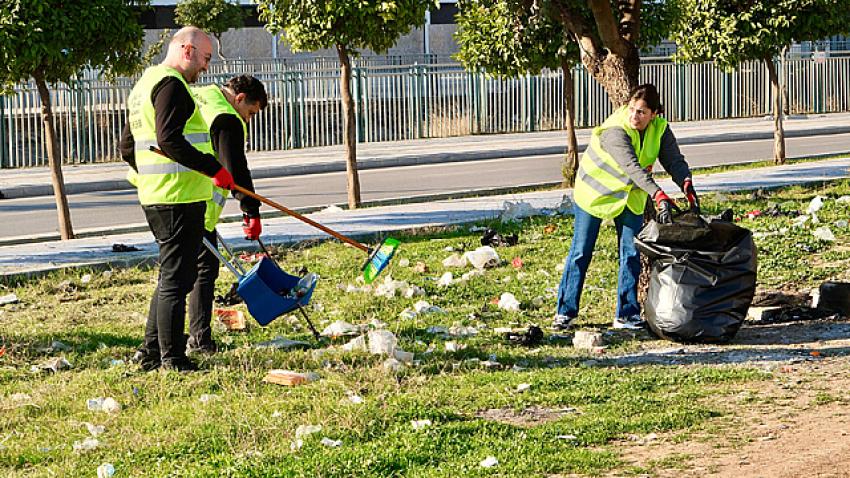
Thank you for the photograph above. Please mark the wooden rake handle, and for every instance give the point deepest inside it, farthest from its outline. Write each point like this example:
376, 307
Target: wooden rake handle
282, 208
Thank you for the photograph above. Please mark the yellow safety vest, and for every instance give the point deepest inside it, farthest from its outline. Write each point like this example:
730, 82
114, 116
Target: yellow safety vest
159, 179
602, 188
213, 103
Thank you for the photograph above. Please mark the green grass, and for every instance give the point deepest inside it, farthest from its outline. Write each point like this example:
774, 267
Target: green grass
165, 429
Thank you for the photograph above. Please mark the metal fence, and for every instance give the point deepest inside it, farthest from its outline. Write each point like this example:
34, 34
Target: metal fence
395, 102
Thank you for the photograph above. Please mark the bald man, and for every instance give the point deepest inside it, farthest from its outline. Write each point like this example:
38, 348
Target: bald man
173, 187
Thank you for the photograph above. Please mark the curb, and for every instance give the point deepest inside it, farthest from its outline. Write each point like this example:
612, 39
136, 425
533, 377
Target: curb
16, 192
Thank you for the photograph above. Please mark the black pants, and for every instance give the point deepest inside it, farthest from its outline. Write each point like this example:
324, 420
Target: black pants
178, 229
203, 294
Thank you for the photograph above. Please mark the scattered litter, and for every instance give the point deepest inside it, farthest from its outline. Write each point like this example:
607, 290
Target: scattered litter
489, 462
799, 221
354, 398
94, 430
289, 378
462, 331
532, 336
208, 397
331, 443
116, 363
815, 205
403, 357
305, 430
296, 445
508, 302
105, 470
566, 207
437, 329
382, 342
484, 257
538, 301
420, 268
494, 239
584, 339
516, 262
516, 211
423, 307
356, 344
843, 200
841, 223
407, 314
54, 365
445, 279
377, 324
420, 424
404, 262
20, 397
560, 267
100, 404
86, 445
59, 346
8, 299
449, 249
333, 208
389, 287
85, 279
491, 364
455, 260
392, 365
824, 233
124, 248
550, 228
523, 387
454, 347
281, 343
340, 328
469, 275
566, 437
232, 319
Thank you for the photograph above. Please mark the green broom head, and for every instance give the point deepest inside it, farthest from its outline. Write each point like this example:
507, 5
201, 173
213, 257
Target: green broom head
379, 259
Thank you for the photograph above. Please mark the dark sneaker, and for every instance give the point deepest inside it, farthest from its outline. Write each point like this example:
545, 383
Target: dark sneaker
182, 364
632, 322
145, 360
562, 322
192, 347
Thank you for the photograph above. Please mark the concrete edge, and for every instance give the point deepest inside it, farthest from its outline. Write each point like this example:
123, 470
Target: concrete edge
17, 192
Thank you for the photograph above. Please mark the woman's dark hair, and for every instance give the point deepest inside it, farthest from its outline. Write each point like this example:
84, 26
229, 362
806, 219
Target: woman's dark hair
649, 94
253, 88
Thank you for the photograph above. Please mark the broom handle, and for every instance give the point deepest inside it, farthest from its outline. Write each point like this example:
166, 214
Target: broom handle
285, 209
282, 208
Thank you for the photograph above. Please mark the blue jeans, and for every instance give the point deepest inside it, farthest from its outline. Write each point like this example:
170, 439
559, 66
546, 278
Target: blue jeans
581, 251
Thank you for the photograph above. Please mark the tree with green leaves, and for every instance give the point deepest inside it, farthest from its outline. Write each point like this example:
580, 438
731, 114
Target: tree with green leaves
610, 35
213, 16
508, 41
729, 32
349, 27
51, 41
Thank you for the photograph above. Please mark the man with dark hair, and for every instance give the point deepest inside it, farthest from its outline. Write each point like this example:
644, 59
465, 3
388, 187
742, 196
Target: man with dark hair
226, 110
173, 186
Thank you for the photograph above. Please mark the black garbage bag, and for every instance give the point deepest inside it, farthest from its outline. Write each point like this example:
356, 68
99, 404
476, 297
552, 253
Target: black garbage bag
702, 281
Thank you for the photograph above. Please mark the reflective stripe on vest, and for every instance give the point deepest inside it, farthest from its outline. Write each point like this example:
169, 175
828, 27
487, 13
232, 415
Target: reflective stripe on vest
212, 103
602, 188
161, 180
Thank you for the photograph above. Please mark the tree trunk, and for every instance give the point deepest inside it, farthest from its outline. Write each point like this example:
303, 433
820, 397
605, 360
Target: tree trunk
570, 166
778, 132
617, 75
65, 230
349, 132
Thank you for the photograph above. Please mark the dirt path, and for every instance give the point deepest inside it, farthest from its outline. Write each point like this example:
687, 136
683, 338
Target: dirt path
796, 425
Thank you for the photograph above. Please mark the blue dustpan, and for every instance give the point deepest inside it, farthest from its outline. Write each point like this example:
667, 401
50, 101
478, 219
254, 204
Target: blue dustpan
268, 291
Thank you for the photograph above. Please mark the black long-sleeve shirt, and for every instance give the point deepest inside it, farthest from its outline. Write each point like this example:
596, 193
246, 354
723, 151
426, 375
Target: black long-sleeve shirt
173, 106
617, 143
228, 140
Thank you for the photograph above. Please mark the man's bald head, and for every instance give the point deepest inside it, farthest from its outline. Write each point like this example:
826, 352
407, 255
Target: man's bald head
189, 52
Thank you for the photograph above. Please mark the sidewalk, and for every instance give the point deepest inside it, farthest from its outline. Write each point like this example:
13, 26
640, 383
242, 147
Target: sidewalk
33, 259
29, 182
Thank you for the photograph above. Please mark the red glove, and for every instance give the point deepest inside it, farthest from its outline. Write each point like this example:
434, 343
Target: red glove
659, 197
691, 194
223, 179
665, 207
252, 227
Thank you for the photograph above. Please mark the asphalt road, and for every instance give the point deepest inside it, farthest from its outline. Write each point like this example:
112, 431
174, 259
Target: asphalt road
104, 210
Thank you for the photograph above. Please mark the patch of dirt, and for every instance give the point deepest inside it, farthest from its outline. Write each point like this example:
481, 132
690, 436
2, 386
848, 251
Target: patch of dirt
529, 417
797, 424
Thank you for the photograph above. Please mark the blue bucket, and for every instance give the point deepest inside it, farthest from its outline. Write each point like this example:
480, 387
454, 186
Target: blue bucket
269, 292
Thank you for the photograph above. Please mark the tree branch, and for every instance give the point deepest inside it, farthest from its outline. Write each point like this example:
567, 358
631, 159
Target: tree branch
607, 27
630, 22
588, 43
